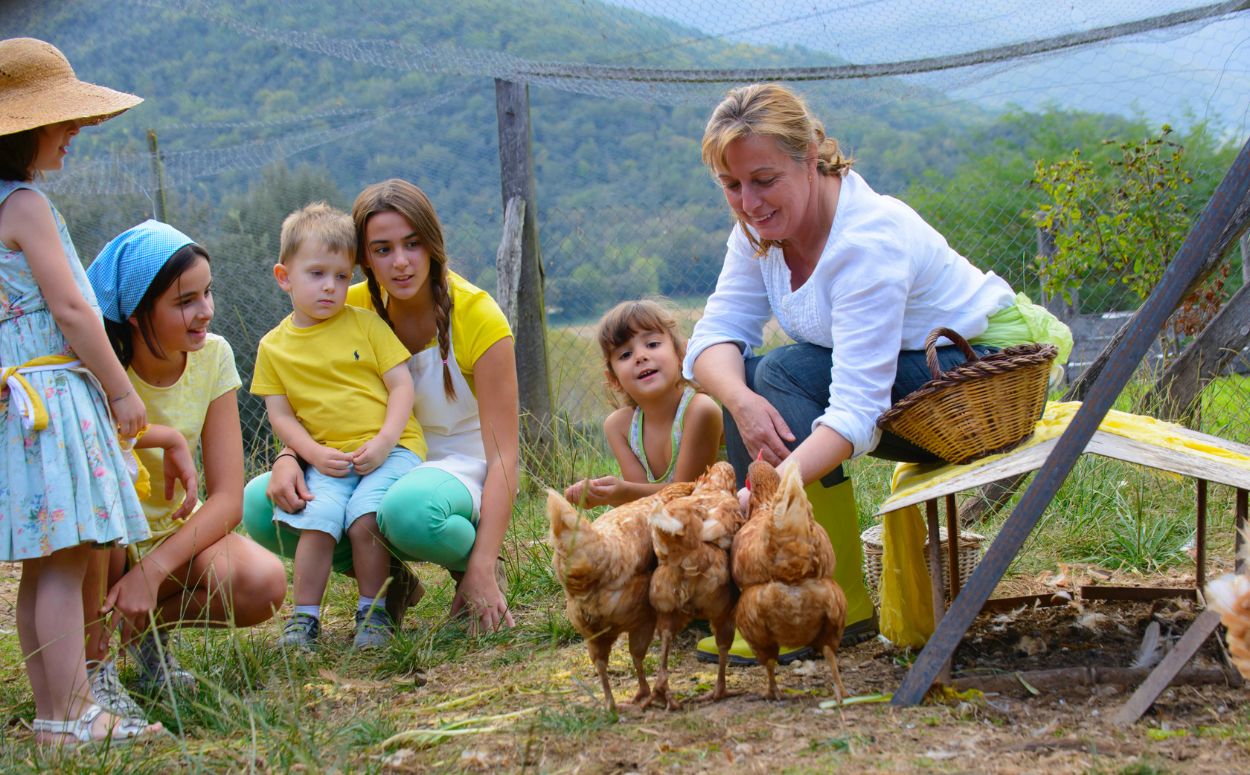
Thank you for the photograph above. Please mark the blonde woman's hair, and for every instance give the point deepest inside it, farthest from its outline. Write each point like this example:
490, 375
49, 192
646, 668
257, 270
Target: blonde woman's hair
619, 324
400, 196
770, 110
317, 221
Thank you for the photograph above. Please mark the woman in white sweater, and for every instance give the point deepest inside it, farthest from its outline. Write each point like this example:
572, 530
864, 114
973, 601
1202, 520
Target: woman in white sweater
855, 278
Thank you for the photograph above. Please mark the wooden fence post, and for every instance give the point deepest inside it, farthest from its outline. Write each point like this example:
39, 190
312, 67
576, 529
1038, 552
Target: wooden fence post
516, 175
160, 211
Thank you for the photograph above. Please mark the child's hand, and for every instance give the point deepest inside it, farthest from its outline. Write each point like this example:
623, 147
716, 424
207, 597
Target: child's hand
180, 467
133, 598
129, 412
331, 462
371, 455
590, 493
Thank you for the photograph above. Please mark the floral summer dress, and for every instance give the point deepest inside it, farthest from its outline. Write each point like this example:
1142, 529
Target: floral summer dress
66, 484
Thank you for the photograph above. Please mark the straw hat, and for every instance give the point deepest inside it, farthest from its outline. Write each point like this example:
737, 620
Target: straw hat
38, 87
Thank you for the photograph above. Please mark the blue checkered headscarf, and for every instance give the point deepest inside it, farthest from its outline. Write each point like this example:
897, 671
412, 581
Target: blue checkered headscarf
125, 268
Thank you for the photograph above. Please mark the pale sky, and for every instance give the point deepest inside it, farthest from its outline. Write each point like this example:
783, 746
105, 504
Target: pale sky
1202, 69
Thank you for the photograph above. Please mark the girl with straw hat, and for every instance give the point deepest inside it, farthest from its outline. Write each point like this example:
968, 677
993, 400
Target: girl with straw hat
64, 485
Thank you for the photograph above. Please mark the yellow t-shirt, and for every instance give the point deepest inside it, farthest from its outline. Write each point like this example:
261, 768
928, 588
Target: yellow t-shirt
332, 375
209, 374
477, 322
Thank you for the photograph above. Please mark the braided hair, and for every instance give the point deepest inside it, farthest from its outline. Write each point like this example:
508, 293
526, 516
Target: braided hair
410, 202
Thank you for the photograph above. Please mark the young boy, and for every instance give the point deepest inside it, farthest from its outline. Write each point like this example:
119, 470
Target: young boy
339, 395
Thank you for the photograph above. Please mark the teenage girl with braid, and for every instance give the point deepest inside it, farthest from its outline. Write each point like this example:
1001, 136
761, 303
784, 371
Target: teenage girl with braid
453, 509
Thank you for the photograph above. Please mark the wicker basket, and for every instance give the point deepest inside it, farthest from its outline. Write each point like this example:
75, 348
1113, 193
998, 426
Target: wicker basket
969, 556
987, 405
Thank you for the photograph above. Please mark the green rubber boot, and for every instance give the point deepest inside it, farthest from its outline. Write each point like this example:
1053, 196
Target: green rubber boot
834, 509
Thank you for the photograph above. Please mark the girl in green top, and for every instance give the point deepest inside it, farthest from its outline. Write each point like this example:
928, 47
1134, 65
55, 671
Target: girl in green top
666, 431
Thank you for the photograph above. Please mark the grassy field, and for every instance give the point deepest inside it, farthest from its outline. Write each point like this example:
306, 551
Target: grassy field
439, 700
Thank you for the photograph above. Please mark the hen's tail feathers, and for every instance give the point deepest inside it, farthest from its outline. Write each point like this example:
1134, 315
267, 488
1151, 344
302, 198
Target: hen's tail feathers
564, 518
718, 478
791, 508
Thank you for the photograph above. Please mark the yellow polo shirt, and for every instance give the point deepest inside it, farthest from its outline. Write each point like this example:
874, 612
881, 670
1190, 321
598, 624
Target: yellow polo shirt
332, 375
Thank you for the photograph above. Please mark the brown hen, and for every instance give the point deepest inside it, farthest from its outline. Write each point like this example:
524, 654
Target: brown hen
783, 565
692, 578
605, 568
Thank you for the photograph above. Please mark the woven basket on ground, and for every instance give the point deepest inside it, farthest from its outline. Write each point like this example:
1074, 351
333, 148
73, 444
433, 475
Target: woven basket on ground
969, 556
988, 404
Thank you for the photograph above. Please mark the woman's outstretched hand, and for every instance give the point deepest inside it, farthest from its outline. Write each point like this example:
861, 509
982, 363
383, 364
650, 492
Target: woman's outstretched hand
287, 488
762, 428
478, 594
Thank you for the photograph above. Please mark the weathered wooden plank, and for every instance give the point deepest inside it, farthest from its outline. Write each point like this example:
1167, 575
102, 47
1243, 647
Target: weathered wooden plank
1102, 443
1065, 677
1161, 677
1237, 219
508, 259
1204, 359
1227, 210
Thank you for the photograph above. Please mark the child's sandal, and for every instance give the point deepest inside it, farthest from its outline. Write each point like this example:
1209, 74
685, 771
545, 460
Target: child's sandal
124, 730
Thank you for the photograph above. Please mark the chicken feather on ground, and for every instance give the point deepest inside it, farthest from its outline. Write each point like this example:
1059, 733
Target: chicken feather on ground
605, 568
692, 578
783, 565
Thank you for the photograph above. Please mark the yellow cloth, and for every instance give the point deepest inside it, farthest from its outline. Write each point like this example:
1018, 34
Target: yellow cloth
34, 411
209, 374
476, 321
138, 472
332, 375
906, 616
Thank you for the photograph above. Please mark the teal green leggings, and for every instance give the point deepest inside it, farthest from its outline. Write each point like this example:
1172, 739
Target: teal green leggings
426, 516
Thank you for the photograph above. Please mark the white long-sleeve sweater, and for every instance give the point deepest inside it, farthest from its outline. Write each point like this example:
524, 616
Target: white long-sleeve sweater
884, 281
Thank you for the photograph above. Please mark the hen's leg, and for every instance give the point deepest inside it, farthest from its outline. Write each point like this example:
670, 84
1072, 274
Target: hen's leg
660, 690
599, 650
832, 658
639, 642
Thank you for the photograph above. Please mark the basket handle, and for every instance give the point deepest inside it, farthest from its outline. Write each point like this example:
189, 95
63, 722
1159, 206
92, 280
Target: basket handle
930, 349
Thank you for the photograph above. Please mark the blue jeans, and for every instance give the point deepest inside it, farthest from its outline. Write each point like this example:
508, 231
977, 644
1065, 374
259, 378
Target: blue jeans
795, 380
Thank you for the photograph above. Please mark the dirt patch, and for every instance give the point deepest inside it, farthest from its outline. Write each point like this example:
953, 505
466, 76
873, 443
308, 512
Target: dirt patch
518, 706
564, 729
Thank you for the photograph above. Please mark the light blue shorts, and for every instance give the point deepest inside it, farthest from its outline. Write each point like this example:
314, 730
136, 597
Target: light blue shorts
340, 501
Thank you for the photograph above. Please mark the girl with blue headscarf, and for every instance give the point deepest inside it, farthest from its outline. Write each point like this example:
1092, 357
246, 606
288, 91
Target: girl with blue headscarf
155, 290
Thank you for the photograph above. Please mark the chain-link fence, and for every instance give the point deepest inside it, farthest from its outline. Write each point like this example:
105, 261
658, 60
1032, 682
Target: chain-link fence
260, 107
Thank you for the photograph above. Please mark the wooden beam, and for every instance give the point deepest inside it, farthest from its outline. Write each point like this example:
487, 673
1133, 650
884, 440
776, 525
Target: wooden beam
516, 175
1204, 359
1161, 677
1230, 229
508, 259
1223, 218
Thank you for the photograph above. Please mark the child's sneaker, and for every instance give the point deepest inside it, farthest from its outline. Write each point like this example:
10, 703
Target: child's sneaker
374, 628
300, 632
108, 691
158, 667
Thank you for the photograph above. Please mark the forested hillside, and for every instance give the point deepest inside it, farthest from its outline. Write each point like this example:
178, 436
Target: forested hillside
625, 207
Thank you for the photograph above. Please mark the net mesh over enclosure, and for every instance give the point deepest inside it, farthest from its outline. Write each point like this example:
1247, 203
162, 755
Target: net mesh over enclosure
969, 112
